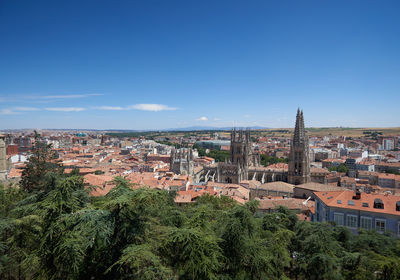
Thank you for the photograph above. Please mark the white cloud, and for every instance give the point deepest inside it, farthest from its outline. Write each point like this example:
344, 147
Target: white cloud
8, 112
152, 107
17, 110
69, 96
216, 119
202, 119
110, 108
26, 109
66, 109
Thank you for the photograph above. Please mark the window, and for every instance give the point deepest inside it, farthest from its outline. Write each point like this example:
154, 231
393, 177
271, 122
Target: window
378, 203
352, 221
398, 228
326, 215
380, 225
323, 213
338, 218
366, 223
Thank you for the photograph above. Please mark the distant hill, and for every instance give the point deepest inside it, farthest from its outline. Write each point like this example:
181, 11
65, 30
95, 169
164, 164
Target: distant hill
196, 128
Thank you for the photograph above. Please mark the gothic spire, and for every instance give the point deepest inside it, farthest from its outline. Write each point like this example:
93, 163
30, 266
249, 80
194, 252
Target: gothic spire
299, 162
299, 128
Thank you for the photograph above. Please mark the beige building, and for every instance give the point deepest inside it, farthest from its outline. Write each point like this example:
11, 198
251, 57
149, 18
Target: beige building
3, 159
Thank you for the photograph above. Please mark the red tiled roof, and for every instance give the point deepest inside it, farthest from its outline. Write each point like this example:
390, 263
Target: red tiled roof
291, 203
97, 180
331, 199
388, 176
14, 173
279, 165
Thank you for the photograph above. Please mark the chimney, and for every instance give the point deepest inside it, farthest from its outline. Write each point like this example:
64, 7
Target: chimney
358, 195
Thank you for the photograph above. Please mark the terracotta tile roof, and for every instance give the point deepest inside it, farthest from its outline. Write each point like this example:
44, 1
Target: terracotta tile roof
318, 170
14, 173
97, 180
153, 180
279, 165
250, 184
291, 203
388, 176
318, 187
334, 160
277, 186
389, 164
101, 191
82, 171
369, 173
236, 191
331, 199
183, 196
239, 200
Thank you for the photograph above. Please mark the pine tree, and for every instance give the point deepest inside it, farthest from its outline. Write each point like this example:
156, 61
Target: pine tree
41, 162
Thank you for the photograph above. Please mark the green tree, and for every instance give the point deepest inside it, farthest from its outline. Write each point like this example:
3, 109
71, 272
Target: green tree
193, 253
139, 262
317, 251
41, 162
341, 168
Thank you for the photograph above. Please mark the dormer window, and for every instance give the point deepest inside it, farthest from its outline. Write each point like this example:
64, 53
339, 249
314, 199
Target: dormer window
378, 204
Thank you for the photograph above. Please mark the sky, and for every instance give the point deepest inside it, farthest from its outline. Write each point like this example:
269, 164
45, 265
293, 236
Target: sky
157, 64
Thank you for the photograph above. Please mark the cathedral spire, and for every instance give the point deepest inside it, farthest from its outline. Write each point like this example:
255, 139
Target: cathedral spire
299, 163
299, 128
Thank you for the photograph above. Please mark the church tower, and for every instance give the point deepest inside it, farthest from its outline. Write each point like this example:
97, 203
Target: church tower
182, 161
299, 161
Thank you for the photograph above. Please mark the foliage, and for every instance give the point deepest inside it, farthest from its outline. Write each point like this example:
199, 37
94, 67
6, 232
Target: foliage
341, 168
219, 156
176, 145
42, 161
58, 232
268, 160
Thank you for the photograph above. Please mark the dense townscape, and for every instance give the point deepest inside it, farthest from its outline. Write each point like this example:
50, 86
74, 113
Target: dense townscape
202, 205
204, 140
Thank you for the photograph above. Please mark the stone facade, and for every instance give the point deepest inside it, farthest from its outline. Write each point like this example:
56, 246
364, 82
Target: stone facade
241, 151
244, 163
182, 161
3, 159
242, 158
299, 160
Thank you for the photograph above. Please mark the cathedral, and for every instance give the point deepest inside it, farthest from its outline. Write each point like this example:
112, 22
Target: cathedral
244, 163
242, 157
181, 161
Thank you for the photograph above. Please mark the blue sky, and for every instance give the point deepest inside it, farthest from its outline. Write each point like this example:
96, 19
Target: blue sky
166, 64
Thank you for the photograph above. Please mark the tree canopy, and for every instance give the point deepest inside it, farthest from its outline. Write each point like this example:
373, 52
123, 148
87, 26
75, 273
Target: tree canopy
57, 231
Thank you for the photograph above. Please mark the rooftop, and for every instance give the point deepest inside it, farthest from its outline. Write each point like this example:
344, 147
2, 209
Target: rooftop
318, 187
344, 199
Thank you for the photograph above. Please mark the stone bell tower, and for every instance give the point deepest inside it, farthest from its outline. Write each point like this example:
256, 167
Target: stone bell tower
299, 160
